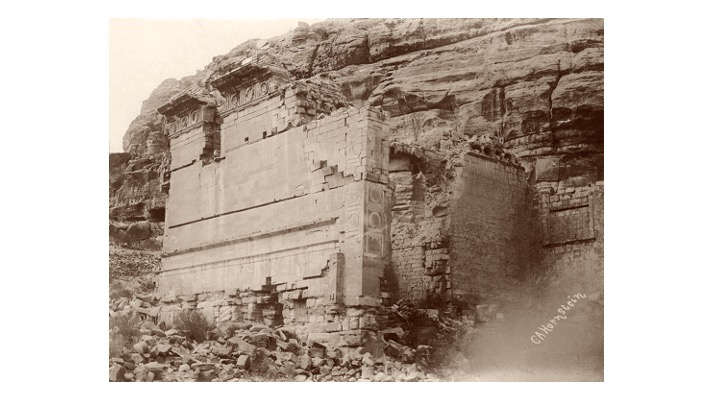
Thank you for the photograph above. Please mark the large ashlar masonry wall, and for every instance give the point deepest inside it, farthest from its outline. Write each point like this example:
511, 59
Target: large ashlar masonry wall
490, 236
283, 223
471, 248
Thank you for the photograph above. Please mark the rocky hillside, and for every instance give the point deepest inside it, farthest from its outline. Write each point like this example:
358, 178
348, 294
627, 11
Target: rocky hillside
536, 85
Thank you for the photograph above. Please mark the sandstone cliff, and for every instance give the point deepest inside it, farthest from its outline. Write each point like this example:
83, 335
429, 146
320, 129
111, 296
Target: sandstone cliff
535, 86
536, 83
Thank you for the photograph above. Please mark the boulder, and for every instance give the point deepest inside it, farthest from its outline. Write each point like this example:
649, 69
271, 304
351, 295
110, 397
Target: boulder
141, 347
117, 373
242, 346
172, 332
305, 362
155, 367
243, 361
367, 372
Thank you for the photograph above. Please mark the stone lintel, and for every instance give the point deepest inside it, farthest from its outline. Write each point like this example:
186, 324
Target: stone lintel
183, 103
239, 77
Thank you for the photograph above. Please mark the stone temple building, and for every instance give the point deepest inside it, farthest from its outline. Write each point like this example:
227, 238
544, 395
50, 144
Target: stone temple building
287, 205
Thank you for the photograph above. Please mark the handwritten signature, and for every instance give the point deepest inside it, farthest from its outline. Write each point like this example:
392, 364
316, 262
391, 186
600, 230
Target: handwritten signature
544, 330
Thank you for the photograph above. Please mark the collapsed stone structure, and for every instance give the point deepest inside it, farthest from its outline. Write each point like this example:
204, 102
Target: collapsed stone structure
316, 201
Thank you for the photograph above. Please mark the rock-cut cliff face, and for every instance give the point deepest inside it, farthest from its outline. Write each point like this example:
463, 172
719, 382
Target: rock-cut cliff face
533, 85
537, 84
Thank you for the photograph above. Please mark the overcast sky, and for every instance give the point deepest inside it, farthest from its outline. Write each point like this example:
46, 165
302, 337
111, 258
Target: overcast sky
144, 52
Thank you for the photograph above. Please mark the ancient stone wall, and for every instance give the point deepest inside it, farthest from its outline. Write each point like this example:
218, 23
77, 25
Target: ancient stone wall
489, 242
299, 211
414, 230
571, 220
460, 234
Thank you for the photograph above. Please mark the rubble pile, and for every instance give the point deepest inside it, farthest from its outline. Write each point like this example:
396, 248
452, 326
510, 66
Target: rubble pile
253, 352
131, 274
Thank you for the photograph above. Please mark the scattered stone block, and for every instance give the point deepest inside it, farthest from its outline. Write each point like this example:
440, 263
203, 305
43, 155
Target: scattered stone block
155, 367
117, 373
141, 347
305, 362
367, 372
241, 345
243, 361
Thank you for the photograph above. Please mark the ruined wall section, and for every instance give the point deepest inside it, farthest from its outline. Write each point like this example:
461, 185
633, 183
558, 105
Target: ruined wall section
571, 260
489, 239
193, 137
450, 204
417, 230
571, 220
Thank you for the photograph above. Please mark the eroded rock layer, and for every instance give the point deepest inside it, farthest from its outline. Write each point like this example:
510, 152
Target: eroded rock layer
537, 84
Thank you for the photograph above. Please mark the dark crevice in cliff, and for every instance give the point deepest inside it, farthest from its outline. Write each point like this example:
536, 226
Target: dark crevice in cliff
365, 50
439, 43
553, 86
311, 62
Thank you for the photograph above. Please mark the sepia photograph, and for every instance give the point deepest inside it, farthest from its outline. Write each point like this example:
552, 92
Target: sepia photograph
404, 202
356, 200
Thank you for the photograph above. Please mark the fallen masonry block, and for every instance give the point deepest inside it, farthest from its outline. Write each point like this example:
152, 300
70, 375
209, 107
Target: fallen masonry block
243, 361
317, 350
203, 366
242, 346
117, 373
222, 351
155, 367
305, 362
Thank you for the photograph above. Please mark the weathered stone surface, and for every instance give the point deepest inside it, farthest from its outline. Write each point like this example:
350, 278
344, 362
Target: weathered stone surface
117, 373
305, 362
222, 351
155, 367
367, 372
171, 332
243, 361
242, 346
141, 347
203, 366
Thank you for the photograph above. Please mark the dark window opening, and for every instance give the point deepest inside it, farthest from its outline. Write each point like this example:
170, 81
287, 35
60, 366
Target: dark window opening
156, 214
247, 139
264, 134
